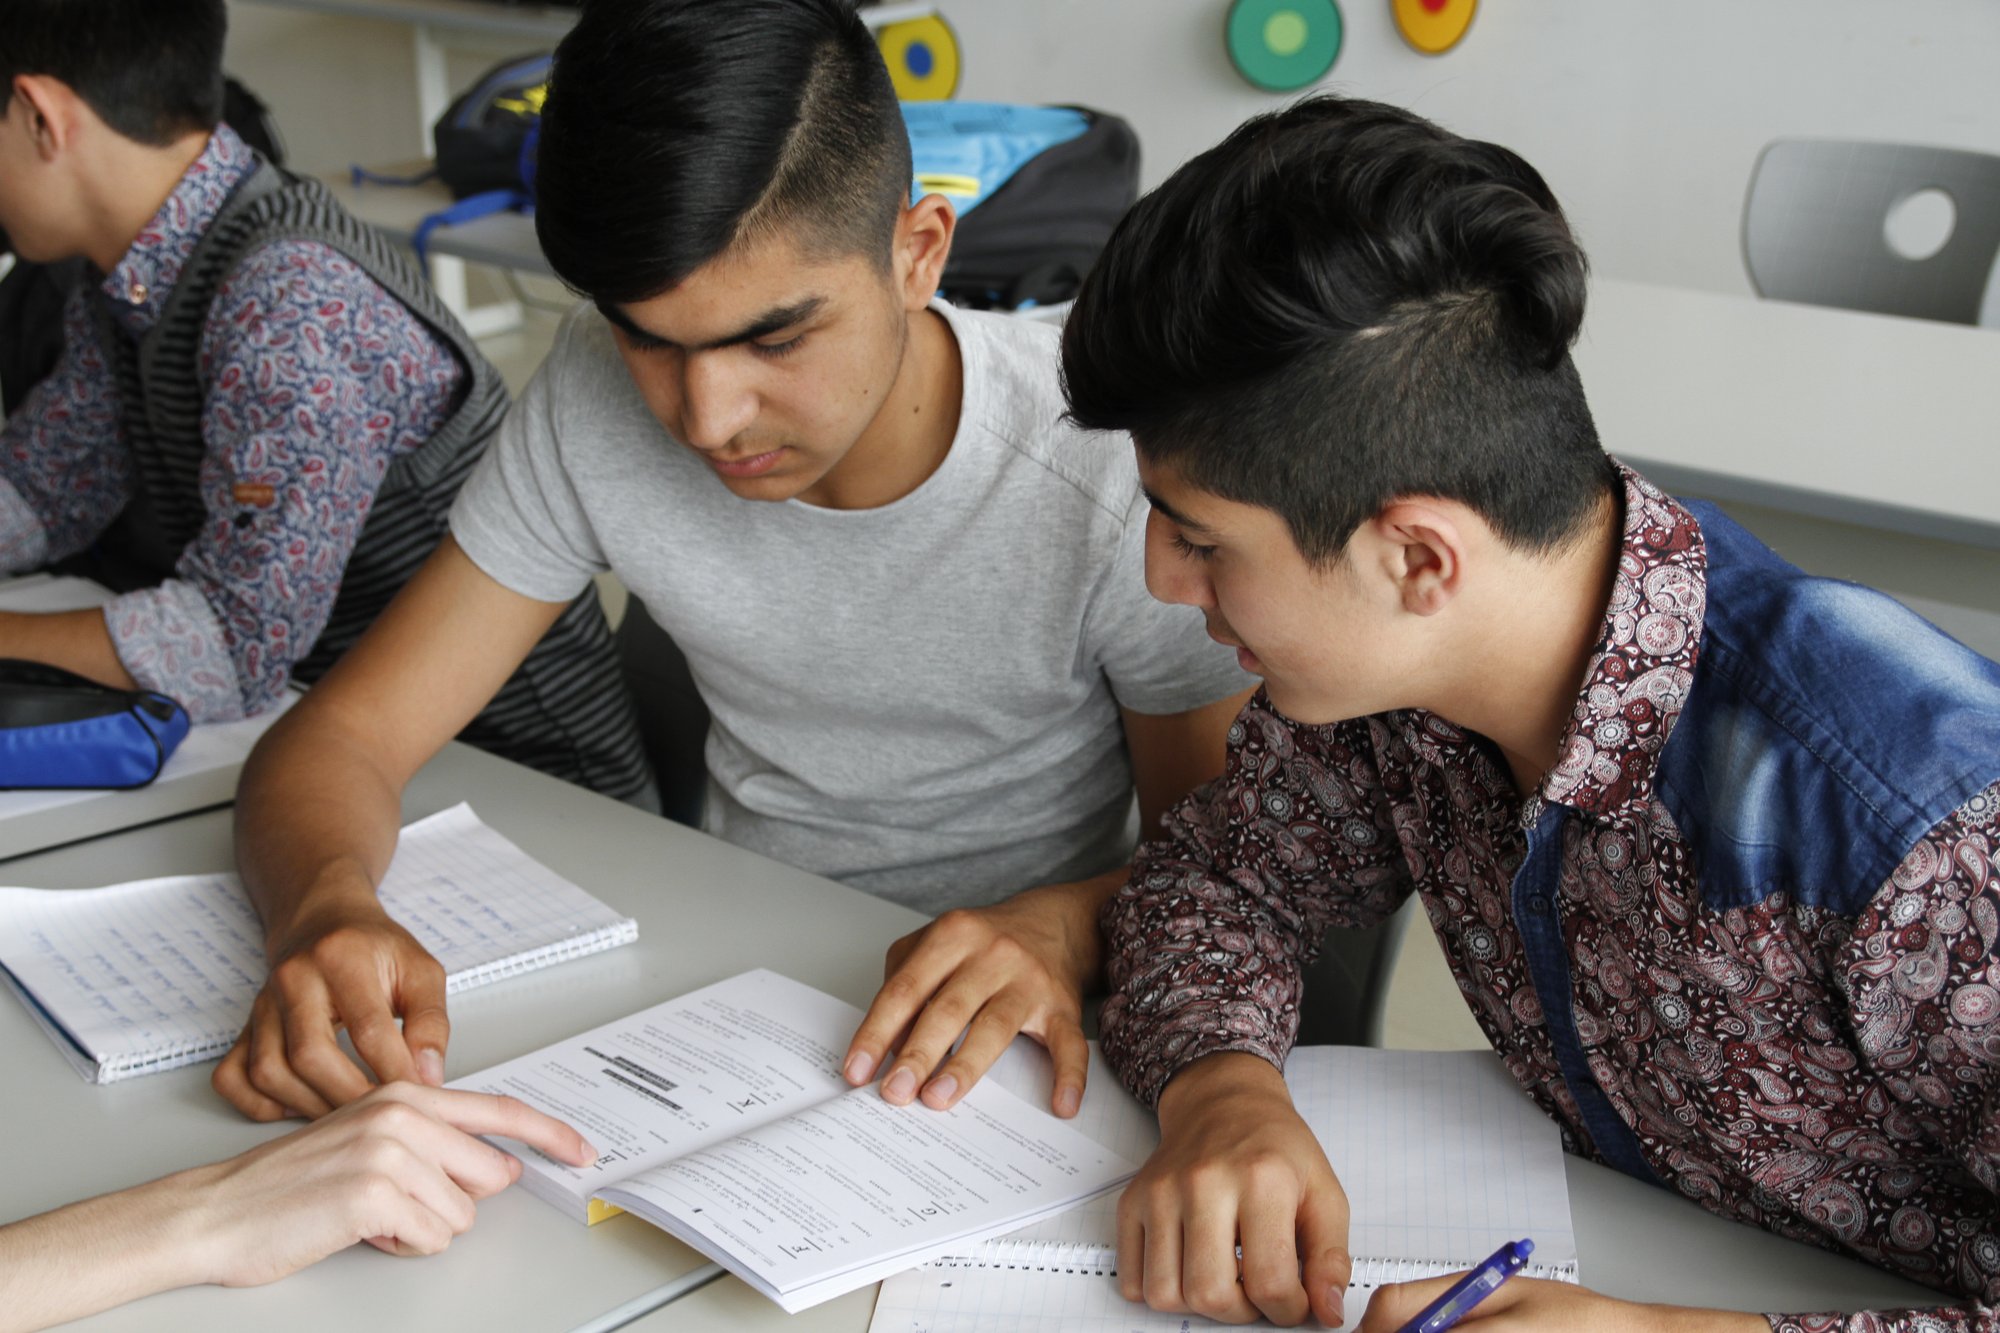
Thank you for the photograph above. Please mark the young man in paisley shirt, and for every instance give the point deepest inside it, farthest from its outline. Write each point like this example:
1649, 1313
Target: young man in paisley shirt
1708, 843
261, 413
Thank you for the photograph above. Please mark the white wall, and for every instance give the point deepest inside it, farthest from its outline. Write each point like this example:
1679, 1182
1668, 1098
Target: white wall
1645, 115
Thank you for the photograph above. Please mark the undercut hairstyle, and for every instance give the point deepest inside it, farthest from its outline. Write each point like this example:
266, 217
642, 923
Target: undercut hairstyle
150, 69
1340, 305
675, 129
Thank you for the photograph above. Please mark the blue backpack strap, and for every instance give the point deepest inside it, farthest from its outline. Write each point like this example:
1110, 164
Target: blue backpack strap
466, 210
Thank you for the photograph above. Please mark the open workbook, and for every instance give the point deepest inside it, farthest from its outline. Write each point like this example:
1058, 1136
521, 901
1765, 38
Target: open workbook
1442, 1157
722, 1118
142, 977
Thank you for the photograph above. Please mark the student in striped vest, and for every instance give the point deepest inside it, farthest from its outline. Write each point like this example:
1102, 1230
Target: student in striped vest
262, 414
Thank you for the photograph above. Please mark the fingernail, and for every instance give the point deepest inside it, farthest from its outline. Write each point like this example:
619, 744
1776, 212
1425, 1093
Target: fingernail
1338, 1300
592, 1152
902, 1086
859, 1066
939, 1093
514, 1167
1067, 1100
430, 1065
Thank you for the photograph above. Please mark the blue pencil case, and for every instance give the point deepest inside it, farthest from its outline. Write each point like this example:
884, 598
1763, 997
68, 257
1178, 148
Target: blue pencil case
58, 729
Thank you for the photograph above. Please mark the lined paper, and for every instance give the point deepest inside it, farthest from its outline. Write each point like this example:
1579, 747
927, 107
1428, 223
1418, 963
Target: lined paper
1442, 1156
146, 976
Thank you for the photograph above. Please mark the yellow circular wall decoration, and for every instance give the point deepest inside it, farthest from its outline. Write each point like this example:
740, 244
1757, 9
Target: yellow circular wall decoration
922, 56
1434, 26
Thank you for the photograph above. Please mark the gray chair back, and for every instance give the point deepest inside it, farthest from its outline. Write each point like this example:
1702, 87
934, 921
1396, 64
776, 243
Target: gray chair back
1813, 227
1347, 987
673, 720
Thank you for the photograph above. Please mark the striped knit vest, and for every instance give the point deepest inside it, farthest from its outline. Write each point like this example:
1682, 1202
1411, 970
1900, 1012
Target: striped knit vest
566, 710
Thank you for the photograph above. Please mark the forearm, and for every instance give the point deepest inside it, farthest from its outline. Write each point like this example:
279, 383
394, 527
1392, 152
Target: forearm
77, 641
316, 820
99, 1253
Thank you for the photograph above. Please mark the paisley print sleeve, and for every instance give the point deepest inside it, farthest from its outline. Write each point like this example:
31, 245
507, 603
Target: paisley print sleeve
1208, 936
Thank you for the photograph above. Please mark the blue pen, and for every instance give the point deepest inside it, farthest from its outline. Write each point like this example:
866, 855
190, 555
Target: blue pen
1471, 1289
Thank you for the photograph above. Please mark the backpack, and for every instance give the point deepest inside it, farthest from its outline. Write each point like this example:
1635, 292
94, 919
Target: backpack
1038, 191
486, 143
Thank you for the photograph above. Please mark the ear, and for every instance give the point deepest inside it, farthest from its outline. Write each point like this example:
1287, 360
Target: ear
52, 112
923, 243
1422, 545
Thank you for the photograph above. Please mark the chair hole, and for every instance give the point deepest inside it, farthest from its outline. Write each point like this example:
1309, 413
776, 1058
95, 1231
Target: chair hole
1919, 224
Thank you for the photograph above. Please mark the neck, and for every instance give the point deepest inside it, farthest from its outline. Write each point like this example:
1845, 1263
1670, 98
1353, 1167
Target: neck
1519, 688
127, 190
911, 432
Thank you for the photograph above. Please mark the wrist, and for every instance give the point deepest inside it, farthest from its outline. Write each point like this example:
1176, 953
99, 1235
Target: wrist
1235, 1077
340, 895
1077, 907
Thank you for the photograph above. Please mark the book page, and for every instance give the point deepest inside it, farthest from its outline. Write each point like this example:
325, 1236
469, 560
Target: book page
677, 1077
837, 1195
1441, 1154
148, 975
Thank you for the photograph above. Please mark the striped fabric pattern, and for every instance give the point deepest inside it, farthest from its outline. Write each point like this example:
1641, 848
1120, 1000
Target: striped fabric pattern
565, 711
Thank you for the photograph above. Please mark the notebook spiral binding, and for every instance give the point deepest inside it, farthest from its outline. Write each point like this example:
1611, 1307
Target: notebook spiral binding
597, 941
113, 1068
1083, 1259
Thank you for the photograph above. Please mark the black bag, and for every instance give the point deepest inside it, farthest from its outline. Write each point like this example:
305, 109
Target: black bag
1032, 240
486, 137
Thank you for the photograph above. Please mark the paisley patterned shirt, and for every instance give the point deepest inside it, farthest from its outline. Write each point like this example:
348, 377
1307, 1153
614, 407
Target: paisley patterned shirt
314, 380
1828, 1071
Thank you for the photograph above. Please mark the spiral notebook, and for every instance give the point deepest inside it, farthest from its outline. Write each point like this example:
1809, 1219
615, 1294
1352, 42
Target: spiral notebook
1442, 1156
148, 976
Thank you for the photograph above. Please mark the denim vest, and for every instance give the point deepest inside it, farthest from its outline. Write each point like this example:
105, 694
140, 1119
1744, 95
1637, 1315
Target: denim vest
1827, 730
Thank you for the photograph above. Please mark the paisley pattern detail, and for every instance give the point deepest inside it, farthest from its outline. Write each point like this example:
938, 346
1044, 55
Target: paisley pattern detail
314, 380
1830, 1078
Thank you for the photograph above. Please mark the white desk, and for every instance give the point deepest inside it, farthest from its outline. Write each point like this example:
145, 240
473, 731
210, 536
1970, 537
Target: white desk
705, 912
1869, 419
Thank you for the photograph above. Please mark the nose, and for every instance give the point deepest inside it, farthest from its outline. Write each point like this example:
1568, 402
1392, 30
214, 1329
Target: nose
717, 404
1170, 576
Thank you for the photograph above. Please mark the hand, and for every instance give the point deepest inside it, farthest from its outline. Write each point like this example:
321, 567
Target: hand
1236, 1166
399, 1169
1525, 1303
1022, 965
347, 964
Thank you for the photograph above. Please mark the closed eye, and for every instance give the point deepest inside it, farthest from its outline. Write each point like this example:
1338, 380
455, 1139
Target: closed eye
1189, 549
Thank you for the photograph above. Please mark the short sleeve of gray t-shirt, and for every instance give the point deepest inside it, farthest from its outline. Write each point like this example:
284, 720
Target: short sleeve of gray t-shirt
920, 700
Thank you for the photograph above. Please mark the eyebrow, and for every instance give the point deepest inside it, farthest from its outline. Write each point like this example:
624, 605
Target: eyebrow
770, 322
1179, 518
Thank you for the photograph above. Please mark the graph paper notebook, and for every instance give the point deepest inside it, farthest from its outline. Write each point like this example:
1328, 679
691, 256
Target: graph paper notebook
1442, 1157
148, 976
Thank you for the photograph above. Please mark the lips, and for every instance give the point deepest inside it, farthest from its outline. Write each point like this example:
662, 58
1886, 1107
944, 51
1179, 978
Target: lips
750, 465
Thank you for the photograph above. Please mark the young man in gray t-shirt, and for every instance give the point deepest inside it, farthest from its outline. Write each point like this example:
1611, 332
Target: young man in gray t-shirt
912, 598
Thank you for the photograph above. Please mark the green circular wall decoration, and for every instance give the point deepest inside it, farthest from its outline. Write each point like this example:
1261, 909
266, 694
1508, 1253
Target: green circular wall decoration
1284, 45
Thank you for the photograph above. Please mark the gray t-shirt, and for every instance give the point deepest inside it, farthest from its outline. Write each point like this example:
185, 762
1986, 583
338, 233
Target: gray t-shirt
920, 700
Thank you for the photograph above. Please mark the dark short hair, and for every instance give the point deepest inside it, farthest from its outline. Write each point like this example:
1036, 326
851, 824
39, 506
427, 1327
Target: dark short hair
150, 69
674, 128
1339, 305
